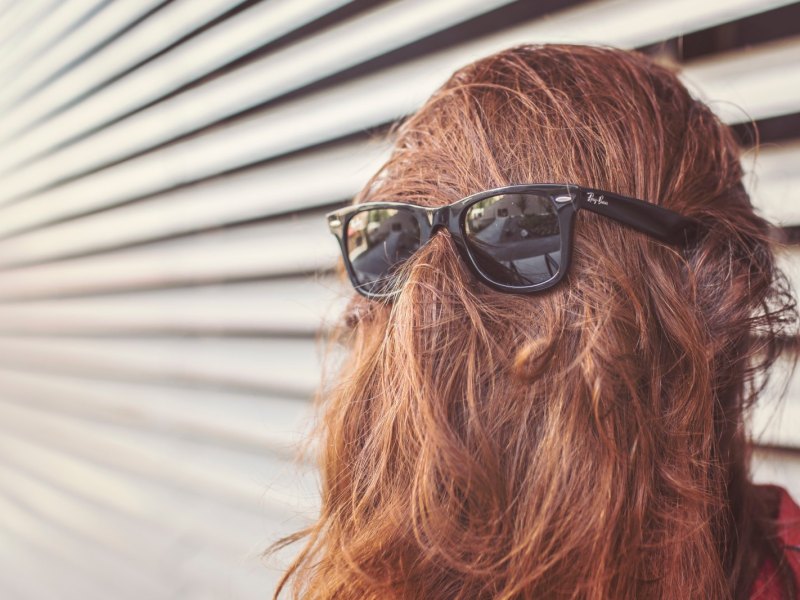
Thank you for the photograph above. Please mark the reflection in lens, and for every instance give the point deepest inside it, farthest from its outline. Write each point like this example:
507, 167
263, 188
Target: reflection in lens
515, 238
378, 241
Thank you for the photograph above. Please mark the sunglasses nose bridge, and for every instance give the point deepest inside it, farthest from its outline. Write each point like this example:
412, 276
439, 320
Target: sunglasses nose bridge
437, 216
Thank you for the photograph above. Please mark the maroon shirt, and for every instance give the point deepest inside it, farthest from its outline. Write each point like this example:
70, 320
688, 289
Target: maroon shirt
767, 585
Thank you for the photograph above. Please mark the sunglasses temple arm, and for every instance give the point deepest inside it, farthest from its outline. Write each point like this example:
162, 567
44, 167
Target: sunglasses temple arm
661, 223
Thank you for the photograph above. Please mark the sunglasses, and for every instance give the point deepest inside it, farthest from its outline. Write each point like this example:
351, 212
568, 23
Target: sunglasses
515, 239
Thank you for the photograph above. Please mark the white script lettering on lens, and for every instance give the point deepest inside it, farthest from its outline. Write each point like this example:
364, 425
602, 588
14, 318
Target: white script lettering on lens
593, 200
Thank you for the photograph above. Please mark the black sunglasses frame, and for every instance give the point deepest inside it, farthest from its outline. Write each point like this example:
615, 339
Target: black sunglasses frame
660, 223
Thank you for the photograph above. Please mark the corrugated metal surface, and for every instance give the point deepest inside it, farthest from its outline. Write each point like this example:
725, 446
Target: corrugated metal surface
164, 268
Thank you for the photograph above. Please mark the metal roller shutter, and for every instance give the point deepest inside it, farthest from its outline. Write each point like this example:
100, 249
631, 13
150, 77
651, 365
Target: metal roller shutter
158, 304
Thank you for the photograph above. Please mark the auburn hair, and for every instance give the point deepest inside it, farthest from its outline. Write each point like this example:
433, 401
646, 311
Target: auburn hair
590, 441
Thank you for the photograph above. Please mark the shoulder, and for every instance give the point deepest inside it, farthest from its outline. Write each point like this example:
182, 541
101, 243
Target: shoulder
766, 586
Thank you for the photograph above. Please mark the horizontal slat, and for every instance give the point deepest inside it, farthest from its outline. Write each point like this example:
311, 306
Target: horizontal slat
283, 246
114, 18
176, 20
282, 129
255, 422
184, 537
782, 432
315, 118
248, 481
131, 538
20, 24
6, 11
305, 245
774, 182
86, 356
90, 563
117, 454
20, 555
11, 15
167, 559
55, 24
755, 83
17, 571
298, 305
777, 415
183, 517
237, 419
188, 525
274, 365
197, 529
211, 49
371, 34
279, 187
339, 172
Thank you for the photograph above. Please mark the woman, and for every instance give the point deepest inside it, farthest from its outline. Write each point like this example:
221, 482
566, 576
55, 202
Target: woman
541, 401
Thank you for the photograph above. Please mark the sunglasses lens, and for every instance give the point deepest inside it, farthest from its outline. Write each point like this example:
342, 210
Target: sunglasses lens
378, 241
514, 239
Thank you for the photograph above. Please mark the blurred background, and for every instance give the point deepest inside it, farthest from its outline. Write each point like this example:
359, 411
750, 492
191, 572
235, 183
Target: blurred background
165, 268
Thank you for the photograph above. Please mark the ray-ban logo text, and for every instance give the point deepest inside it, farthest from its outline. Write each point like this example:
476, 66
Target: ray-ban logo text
592, 199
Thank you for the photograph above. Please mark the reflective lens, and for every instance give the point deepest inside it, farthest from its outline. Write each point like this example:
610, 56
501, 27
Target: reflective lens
515, 238
378, 241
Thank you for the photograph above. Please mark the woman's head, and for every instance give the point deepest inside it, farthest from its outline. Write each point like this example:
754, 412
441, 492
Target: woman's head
587, 441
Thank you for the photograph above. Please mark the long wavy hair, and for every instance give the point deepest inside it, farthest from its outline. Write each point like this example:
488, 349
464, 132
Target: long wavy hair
590, 441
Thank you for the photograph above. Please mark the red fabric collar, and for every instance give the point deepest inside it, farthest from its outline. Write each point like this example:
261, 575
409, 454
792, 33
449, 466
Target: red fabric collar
767, 585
